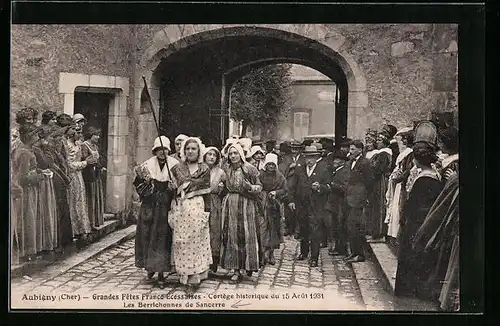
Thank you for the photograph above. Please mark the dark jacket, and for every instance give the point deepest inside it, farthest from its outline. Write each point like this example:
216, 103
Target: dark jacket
338, 187
395, 152
359, 182
301, 186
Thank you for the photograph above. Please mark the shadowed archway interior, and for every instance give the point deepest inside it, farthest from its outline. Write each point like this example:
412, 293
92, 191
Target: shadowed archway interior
194, 81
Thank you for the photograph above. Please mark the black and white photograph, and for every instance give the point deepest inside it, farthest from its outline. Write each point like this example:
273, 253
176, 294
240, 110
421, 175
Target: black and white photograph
235, 167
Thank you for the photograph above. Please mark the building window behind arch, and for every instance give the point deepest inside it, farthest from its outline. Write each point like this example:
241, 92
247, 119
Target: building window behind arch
301, 124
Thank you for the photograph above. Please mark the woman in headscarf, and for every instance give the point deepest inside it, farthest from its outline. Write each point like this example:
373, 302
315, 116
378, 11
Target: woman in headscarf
29, 177
381, 169
256, 157
189, 217
273, 193
47, 202
77, 199
92, 176
396, 191
240, 243
212, 158
440, 233
415, 266
154, 185
177, 143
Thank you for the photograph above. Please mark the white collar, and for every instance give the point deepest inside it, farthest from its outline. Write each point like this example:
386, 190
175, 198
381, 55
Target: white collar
386, 150
403, 154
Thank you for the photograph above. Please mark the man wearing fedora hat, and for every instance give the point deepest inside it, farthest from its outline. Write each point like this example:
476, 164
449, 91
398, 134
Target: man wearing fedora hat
309, 195
340, 175
289, 163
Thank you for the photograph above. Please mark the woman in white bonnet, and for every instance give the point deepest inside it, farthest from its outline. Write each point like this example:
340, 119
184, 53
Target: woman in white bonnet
273, 194
153, 239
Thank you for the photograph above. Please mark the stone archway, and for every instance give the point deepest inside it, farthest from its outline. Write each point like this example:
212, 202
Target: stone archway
324, 40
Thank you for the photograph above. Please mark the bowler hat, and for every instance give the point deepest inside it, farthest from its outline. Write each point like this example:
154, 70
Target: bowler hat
311, 151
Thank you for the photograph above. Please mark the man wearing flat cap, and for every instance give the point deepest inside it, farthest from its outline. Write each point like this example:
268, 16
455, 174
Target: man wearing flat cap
309, 191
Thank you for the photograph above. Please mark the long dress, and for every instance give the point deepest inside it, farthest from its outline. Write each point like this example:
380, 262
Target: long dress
270, 231
153, 238
240, 243
93, 186
381, 164
217, 175
28, 177
415, 266
77, 199
191, 252
61, 185
395, 193
47, 203
440, 233
16, 208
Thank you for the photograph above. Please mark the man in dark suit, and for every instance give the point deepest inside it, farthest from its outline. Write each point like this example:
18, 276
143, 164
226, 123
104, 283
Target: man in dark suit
292, 160
340, 176
357, 189
310, 187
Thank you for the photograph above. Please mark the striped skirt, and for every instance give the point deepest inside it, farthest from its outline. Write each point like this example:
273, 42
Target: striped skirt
240, 244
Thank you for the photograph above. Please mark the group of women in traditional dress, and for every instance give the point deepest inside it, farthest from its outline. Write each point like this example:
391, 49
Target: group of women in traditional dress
57, 194
414, 204
202, 208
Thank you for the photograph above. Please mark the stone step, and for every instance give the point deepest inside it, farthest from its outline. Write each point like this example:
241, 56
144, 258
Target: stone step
370, 283
44, 261
386, 262
377, 278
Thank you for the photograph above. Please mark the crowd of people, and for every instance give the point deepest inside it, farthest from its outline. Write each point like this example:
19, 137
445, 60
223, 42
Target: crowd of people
205, 208
57, 195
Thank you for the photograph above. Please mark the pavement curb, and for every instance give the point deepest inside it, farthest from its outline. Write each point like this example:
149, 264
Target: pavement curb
94, 249
382, 266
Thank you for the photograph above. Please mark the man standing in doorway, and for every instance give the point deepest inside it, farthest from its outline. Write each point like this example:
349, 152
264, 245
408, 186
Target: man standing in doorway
358, 187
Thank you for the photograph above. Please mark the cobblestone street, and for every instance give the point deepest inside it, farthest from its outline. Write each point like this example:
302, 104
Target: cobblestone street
113, 270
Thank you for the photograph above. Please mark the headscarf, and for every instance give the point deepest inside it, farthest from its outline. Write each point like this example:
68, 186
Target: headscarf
217, 153
271, 158
191, 185
158, 144
242, 142
254, 150
239, 149
181, 137
201, 148
78, 117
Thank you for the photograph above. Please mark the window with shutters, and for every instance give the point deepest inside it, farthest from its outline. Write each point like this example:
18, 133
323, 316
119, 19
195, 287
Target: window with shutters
301, 124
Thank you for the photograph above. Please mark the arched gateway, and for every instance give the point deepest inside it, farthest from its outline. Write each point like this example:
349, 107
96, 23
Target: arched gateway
181, 55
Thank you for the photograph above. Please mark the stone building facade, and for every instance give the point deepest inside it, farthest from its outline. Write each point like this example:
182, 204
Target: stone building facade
387, 72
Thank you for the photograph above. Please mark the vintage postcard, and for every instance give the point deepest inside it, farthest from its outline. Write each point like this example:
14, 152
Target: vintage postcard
234, 167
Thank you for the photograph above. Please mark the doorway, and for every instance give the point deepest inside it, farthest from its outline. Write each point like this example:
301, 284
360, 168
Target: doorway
95, 108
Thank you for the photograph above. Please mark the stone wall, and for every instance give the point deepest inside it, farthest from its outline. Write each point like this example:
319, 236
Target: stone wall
41, 52
410, 69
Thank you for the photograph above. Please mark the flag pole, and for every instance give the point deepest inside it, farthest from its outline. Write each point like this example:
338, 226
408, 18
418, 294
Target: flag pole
156, 125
